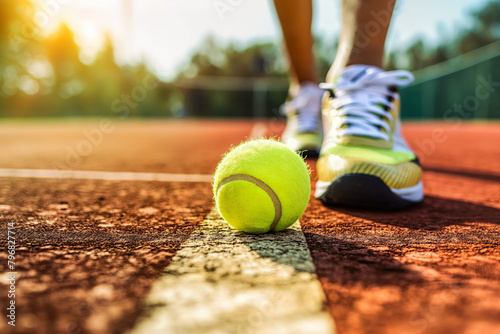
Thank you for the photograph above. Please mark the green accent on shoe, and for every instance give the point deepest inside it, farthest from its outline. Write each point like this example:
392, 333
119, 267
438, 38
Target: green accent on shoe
309, 140
384, 156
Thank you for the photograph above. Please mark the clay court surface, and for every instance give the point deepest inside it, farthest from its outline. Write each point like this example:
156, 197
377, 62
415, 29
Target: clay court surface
88, 251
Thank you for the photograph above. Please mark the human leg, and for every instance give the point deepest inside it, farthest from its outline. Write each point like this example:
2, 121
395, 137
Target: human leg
304, 131
362, 38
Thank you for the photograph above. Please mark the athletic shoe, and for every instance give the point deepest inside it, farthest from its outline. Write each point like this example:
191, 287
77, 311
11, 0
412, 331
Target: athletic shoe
304, 132
364, 159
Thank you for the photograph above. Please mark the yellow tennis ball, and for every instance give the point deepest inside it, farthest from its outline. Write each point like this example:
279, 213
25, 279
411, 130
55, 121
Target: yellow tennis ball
261, 186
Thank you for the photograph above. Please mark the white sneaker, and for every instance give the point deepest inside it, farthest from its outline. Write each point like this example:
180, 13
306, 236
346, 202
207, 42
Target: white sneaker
304, 132
364, 159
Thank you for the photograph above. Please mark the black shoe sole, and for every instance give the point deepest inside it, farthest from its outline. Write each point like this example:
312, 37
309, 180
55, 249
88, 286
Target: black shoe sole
362, 190
308, 153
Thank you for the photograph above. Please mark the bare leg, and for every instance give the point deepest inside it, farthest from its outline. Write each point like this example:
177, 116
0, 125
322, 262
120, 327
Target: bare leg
296, 17
362, 38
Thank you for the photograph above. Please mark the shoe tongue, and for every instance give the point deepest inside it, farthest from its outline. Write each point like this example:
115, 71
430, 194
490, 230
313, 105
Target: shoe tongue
353, 73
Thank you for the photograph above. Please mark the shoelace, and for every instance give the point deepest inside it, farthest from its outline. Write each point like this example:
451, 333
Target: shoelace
307, 105
359, 106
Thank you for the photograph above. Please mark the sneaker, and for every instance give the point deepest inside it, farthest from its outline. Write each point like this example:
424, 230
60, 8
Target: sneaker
304, 132
364, 160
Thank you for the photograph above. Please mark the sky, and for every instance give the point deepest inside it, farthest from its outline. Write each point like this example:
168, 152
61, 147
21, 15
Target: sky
166, 32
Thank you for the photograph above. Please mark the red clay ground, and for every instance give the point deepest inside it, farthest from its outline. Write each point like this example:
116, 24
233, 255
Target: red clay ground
88, 251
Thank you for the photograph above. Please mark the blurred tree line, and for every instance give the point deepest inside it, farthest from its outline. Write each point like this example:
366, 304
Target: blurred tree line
46, 76
485, 30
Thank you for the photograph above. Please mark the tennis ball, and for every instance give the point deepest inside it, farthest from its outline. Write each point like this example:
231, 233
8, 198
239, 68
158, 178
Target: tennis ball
261, 186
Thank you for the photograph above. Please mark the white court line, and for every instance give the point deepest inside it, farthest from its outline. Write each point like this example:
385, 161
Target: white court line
222, 281
96, 175
259, 130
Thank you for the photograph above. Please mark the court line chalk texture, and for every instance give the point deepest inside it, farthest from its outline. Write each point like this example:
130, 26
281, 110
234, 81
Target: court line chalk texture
222, 281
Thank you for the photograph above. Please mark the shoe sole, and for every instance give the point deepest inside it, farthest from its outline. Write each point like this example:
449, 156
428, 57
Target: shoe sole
367, 191
309, 153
